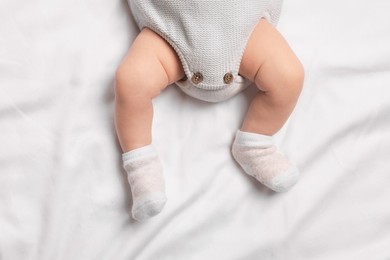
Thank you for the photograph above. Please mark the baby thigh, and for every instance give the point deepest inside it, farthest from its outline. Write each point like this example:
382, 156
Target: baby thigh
149, 66
269, 61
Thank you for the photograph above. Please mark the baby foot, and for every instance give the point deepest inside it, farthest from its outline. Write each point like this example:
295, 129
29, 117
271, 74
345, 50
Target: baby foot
259, 157
146, 181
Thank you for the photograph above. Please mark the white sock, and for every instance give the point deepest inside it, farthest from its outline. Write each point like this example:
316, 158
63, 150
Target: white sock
144, 172
259, 157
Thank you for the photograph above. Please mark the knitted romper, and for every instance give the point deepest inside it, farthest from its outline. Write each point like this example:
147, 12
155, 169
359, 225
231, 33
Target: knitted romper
209, 36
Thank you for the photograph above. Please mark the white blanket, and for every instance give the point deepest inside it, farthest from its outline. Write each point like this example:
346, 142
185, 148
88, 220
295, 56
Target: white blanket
63, 194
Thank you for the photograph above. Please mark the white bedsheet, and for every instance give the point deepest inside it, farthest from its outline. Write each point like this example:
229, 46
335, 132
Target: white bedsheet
63, 194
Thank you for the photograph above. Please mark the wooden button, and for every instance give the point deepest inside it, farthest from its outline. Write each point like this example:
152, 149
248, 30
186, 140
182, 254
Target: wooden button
197, 78
228, 78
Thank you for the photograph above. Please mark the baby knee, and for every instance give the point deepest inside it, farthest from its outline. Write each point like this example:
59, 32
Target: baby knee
294, 78
133, 82
290, 85
287, 86
123, 87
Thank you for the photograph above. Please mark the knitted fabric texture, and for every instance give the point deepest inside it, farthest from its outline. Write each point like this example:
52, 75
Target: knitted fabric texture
209, 37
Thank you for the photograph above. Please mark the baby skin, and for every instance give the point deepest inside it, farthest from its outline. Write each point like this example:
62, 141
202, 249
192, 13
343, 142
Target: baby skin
151, 65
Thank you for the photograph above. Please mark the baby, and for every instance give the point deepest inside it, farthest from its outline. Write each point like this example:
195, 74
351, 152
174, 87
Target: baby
212, 49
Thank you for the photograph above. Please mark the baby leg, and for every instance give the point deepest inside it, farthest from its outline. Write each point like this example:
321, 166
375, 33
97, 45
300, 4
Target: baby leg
149, 66
271, 64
